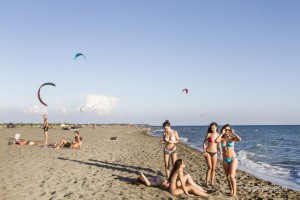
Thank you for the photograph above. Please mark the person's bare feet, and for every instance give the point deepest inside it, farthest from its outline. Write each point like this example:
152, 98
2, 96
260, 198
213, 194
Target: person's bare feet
231, 192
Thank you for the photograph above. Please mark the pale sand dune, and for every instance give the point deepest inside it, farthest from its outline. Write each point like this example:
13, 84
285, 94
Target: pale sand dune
105, 168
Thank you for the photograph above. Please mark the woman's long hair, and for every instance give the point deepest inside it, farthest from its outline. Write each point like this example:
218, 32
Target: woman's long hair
212, 124
225, 126
176, 166
139, 181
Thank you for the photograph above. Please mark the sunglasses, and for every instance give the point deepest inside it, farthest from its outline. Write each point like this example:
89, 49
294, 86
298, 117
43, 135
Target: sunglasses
227, 129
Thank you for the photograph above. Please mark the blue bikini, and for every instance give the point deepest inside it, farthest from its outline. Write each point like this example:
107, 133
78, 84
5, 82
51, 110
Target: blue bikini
229, 144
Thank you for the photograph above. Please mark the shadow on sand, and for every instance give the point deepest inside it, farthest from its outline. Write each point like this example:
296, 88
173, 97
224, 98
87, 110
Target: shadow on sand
113, 166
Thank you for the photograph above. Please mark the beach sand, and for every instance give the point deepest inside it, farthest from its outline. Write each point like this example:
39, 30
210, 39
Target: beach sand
105, 169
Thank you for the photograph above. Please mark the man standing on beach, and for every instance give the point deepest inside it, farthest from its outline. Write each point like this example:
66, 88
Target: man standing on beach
45, 128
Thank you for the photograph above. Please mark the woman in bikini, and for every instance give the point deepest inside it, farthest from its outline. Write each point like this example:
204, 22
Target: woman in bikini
210, 152
185, 185
154, 181
170, 138
230, 162
26, 142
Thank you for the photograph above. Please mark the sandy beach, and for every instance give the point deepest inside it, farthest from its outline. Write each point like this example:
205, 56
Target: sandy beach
106, 169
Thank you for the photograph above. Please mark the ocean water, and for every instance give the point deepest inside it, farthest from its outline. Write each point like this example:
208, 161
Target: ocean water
268, 152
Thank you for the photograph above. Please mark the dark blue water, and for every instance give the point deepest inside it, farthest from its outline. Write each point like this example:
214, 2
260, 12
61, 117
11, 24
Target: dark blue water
268, 152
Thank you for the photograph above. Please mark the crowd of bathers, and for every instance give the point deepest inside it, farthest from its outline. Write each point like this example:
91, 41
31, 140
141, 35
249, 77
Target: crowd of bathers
176, 180
180, 183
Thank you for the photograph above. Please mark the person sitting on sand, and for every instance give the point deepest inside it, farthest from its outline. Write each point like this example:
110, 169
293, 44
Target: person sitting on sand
154, 181
26, 142
230, 163
77, 144
187, 185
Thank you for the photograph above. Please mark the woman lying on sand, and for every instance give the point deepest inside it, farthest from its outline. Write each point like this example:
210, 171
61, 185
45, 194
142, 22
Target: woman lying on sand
77, 144
187, 184
230, 162
154, 181
26, 142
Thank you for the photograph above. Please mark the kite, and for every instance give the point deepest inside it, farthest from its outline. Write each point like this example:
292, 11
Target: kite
185, 90
81, 108
79, 54
39, 96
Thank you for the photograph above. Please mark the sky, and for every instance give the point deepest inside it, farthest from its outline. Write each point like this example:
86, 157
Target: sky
240, 61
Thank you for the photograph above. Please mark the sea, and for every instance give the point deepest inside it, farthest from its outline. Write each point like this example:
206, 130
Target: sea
268, 152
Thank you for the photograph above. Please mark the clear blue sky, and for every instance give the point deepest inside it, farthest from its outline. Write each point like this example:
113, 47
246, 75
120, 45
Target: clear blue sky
240, 61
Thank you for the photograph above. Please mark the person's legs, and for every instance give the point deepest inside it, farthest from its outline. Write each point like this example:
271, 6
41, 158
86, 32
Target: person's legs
191, 189
62, 142
166, 158
174, 158
226, 169
233, 167
46, 137
213, 168
209, 167
38, 142
187, 179
75, 146
177, 191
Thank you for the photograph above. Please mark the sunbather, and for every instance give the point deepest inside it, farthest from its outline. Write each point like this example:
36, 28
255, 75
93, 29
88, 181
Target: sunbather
77, 144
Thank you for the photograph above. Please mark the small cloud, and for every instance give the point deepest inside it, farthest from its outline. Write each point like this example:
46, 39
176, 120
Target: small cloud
102, 104
44, 111
64, 110
36, 110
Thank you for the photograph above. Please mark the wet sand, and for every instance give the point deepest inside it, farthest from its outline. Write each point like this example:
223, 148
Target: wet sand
106, 169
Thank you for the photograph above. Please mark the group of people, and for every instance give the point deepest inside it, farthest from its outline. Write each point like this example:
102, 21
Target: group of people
225, 143
180, 183
76, 144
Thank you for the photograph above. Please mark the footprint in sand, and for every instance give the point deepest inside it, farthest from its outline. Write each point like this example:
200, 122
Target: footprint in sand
44, 193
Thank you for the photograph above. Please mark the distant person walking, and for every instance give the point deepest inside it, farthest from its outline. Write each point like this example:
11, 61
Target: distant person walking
170, 138
45, 128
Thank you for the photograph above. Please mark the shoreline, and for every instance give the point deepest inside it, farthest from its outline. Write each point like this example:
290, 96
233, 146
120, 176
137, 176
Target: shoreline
275, 180
106, 169
260, 176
